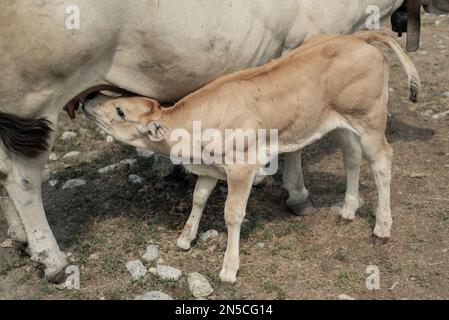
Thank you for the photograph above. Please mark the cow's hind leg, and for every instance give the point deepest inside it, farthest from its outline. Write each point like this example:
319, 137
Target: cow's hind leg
203, 188
293, 181
240, 181
379, 153
352, 157
15, 230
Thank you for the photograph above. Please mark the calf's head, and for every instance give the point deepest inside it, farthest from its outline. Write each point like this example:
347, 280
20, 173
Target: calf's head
134, 120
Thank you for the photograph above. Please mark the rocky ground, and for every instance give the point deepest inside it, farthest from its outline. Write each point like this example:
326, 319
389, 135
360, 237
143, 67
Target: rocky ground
118, 215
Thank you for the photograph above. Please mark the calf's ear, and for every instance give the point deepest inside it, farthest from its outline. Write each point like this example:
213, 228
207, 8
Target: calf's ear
156, 130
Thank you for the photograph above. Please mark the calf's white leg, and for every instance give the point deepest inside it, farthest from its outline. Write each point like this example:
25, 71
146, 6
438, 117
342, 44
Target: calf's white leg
240, 181
203, 188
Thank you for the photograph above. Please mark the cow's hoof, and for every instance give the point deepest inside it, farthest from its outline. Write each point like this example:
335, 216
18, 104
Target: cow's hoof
302, 209
382, 232
183, 244
228, 275
56, 273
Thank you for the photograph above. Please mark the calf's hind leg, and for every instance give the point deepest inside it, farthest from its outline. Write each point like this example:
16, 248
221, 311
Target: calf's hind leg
379, 153
352, 157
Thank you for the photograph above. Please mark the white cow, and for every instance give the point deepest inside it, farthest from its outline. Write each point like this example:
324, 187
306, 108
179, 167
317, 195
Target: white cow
160, 49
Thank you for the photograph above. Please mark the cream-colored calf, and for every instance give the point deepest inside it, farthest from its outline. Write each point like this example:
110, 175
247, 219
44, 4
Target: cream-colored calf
331, 84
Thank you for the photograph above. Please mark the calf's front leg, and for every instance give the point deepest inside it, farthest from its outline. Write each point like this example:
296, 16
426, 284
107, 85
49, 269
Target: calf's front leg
240, 181
203, 188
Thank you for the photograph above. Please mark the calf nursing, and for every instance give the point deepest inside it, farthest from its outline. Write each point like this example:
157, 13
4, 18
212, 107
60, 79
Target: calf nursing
335, 84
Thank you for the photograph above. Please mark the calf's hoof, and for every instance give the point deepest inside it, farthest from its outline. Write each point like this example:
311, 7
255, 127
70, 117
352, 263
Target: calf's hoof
228, 275
183, 244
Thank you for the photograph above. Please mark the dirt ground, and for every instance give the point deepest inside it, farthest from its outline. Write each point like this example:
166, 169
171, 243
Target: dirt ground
110, 221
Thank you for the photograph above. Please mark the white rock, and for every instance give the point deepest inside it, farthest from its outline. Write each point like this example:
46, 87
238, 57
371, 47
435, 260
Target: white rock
153, 295
345, 297
6, 244
135, 179
107, 169
152, 253
72, 155
261, 245
169, 273
199, 286
440, 115
446, 94
68, 135
144, 153
137, 269
74, 183
53, 157
73, 280
53, 183
110, 139
209, 235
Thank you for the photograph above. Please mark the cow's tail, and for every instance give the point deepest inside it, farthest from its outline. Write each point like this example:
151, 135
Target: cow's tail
23, 136
414, 81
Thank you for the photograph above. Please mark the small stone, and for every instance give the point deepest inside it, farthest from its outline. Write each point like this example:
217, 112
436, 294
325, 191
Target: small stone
209, 235
136, 268
6, 244
153, 295
151, 254
144, 153
53, 183
53, 157
94, 256
393, 286
135, 179
73, 280
68, 135
199, 286
72, 155
110, 139
153, 271
261, 245
129, 162
74, 183
446, 94
345, 297
169, 273
107, 169
428, 113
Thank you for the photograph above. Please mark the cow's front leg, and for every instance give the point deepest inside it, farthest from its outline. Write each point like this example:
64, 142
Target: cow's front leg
23, 184
15, 230
240, 181
293, 181
203, 188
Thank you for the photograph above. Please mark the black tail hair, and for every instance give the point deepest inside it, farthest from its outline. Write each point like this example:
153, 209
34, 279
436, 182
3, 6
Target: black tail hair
24, 136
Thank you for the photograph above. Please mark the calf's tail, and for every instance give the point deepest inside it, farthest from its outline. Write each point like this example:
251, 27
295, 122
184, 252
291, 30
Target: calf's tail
414, 81
23, 136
